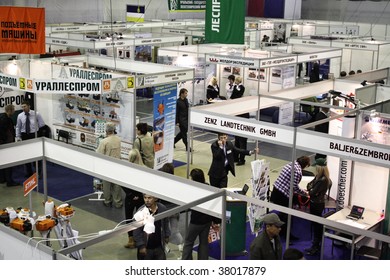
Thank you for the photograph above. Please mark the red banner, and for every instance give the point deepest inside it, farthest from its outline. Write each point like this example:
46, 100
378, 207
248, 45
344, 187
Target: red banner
22, 30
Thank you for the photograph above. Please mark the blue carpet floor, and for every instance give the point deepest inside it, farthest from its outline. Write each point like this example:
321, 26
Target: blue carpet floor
62, 183
301, 229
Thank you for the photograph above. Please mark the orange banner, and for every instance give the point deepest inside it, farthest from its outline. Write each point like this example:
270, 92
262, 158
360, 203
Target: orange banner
22, 30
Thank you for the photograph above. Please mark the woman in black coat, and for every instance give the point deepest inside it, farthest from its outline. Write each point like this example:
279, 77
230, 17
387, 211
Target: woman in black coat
317, 191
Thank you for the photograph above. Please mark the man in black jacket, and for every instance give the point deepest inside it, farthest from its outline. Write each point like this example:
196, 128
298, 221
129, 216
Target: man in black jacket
182, 116
223, 160
7, 135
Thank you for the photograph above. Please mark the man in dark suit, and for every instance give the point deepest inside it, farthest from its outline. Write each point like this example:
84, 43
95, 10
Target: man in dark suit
223, 160
239, 142
182, 116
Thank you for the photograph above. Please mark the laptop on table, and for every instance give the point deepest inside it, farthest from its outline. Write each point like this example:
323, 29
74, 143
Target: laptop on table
244, 190
356, 213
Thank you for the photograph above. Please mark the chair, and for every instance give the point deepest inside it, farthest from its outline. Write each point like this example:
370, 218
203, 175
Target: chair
325, 215
374, 253
63, 134
369, 252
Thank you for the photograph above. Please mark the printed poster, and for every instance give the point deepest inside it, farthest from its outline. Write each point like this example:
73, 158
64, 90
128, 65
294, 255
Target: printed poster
164, 120
260, 185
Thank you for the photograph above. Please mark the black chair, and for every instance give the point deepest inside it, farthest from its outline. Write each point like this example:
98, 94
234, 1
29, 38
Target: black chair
327, 214
374, 253
63, 134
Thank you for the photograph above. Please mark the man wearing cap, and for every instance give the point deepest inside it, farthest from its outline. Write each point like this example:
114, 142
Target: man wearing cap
267, 245
111, 146
317, 189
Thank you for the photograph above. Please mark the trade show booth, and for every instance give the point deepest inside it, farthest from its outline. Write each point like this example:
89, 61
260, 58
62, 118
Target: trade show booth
350, 157
359, 53
261, 71
79, 99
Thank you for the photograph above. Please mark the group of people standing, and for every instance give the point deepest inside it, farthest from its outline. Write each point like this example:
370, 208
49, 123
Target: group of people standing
267, 245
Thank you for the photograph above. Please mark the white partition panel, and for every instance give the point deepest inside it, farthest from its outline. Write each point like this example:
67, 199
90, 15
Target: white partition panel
176, 189
16, 246
366, 191
12, 154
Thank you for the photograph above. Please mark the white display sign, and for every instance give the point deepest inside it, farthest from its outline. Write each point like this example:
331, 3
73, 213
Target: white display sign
70, 43
319, 56
241, 127
278, 61
347, 149
66, 86
152, 80
113, 43
8, 81
161, 40
66, 72
232, 60
286, 113
322, 43
355, 45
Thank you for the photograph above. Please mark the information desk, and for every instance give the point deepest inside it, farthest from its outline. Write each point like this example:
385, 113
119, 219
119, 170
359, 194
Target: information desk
371, 221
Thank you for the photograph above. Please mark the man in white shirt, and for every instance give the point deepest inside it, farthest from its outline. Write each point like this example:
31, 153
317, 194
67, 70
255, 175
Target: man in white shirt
27, 125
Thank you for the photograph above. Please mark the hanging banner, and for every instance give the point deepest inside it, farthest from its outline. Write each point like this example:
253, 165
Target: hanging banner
164, 118
22, 30
135, 13
186, 5
225, 21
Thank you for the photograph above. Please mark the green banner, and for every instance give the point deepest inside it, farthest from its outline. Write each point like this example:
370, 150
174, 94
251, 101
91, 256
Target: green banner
186, 5
225, 21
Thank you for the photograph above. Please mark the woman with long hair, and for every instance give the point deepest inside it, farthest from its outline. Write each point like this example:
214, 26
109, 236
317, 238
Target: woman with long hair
317, 189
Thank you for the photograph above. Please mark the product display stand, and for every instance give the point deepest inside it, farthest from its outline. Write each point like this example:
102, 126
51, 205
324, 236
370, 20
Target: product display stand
98, 187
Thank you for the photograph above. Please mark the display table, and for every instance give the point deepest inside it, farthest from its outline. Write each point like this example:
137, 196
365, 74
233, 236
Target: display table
371, 221
235, 226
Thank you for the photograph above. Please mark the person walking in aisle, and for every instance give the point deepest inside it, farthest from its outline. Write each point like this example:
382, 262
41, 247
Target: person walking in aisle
111, 146
133, 199
199, 226
267, 245
144, 144
223, 160
27, 124
317, 191
151, 245
281, 187
182, 117
239, 142
7, 135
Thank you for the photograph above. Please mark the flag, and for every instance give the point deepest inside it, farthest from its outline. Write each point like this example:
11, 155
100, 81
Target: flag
225, 21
